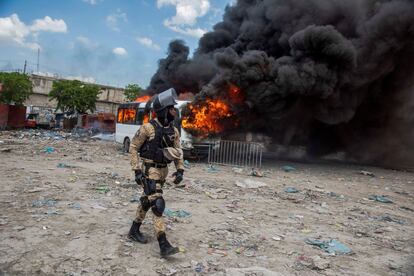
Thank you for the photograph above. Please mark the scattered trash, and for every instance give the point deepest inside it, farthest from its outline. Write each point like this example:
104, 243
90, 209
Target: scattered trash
135, 198
314, 262
74, 205
178, 214
104, 137
332, 194
288, 168
5, 150
63, 165
52, 212
19, 228
67, 233
332, 246
406, 209
199, 268
250, 184
388, 218
102, 189
238, 170
114, 175
291, 190
186, 164
382, 198
44, 202
256, 173
213, 251
276, 238
49, 150
254, 270
212, 169
367, 173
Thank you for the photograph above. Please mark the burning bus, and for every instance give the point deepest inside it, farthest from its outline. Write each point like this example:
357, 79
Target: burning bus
131, 116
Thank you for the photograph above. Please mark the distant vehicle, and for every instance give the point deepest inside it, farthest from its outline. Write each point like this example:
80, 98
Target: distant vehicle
131, 116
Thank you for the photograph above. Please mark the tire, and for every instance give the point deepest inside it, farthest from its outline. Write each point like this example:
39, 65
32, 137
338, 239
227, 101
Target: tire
127, 143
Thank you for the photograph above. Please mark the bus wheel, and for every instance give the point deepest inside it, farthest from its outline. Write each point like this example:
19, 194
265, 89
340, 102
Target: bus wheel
126, 145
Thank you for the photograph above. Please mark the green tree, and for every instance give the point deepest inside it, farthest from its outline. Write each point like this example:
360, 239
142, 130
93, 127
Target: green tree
132, 92
73, 95
16, 88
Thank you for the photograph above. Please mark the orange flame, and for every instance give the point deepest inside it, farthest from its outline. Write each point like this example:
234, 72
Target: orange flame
143, 99
236, 96
146, 118
206, 118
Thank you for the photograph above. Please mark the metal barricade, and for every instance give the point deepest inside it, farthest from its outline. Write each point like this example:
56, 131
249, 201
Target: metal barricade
235, 153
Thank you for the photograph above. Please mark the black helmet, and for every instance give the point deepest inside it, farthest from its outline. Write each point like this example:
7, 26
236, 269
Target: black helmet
164, 100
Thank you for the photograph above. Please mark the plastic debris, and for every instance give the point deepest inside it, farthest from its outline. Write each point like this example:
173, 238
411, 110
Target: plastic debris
250, 184
367, 173
254, 270
63, 165
332, 246
288, 168
186, 164
178, 214
49, 150
75, 205
256, 173
135, 198
212, 169
103, 189
104, 137
388, 218
378, 198
291, 190
44, 202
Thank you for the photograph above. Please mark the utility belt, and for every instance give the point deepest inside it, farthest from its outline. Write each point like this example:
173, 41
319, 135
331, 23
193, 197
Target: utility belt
150, 185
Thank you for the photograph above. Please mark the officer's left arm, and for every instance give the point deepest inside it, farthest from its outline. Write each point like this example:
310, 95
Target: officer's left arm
179, 163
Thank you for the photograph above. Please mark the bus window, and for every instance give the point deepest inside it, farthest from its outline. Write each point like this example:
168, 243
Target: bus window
129, 116
120, 115
140, 116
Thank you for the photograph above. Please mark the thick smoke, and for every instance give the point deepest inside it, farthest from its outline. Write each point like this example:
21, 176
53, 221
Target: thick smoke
332, 75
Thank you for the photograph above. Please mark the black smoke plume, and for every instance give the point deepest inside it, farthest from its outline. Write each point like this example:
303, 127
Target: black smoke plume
332, 75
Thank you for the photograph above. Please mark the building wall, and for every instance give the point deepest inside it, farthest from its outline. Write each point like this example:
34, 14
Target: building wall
108, 100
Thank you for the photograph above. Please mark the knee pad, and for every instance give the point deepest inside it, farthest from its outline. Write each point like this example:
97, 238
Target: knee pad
145, 203
158, 206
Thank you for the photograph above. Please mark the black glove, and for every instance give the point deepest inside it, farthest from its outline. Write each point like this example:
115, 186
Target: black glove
138, 177
178, 176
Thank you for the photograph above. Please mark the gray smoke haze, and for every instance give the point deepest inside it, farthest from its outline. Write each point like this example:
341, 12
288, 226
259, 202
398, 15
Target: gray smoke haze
332, 75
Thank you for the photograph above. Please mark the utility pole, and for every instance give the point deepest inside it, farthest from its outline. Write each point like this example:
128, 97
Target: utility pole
24, 68
38, 54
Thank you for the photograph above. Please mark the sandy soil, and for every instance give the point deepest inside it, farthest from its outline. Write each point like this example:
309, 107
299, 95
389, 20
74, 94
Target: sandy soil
72, 218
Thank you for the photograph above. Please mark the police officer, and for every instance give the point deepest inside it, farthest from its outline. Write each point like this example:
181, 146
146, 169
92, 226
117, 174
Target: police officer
157, 144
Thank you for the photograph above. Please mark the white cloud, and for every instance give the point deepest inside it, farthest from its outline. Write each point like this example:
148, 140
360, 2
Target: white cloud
195, 32
81, 78
14, 31
147, 42
48, 24
187, 12
119, 51
113, 19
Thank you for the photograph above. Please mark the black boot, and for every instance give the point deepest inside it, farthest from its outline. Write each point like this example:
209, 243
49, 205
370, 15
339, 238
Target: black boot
134, 233
165, 247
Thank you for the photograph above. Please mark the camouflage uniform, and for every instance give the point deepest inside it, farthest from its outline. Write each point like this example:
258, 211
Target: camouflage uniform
147, 132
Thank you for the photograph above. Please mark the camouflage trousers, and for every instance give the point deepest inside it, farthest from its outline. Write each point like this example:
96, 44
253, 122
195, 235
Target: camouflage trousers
157, 174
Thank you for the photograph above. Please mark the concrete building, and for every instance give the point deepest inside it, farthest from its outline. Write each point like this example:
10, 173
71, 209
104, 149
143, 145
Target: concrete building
108, 100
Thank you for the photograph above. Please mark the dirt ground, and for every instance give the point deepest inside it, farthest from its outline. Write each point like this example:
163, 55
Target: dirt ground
66, 210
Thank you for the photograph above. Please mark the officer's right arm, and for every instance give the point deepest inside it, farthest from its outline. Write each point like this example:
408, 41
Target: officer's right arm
140, 137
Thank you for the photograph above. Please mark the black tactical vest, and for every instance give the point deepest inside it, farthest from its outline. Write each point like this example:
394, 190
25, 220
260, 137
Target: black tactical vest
152, 149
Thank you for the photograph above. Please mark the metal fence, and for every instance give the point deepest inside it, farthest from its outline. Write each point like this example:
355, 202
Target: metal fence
235, 153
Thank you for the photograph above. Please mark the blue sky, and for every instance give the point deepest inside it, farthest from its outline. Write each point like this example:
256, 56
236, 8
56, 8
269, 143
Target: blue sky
109, 42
